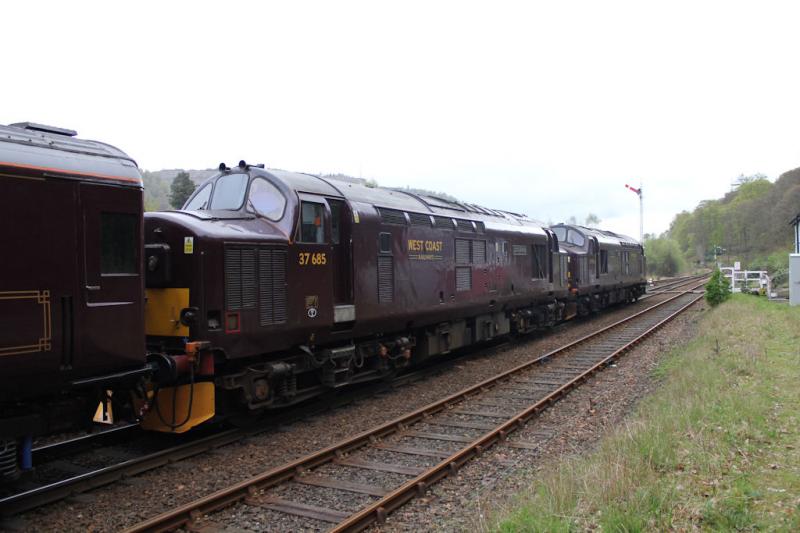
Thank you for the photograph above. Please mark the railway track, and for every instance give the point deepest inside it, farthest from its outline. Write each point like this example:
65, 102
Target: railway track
74, 466
671, 284
359, 481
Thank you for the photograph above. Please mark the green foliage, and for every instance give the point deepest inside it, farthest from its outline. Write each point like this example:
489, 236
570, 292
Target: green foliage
750, 222
181, 189
664, 256
713, 449
717, 289
156, 191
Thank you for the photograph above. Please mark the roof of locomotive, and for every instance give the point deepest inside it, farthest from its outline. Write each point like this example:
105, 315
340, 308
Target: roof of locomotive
386, 198
34, 148
603, 236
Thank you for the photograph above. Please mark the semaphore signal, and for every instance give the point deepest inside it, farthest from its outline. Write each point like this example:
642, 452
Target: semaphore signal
641, 211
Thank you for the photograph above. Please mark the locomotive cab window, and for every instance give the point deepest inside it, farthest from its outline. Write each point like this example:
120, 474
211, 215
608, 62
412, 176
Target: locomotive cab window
266, 200
200, 200
311, 223
229, 192
118, 243
604, 261
575, 238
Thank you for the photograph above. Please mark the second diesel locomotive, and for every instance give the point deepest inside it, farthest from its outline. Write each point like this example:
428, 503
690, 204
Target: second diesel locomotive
297, 284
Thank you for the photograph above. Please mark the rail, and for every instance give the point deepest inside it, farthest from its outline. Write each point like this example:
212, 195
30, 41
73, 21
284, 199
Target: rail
550, 376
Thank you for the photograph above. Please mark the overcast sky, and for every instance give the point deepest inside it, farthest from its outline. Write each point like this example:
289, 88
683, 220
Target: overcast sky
547, 108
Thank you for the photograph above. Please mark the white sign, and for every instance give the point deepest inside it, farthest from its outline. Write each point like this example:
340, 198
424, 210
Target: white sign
737, 265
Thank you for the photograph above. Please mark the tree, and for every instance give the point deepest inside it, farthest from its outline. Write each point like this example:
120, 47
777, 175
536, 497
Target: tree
717, 289
592, 220
181, 189
664, 257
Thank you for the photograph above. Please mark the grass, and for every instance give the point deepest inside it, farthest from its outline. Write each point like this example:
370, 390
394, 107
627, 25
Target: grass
716, 447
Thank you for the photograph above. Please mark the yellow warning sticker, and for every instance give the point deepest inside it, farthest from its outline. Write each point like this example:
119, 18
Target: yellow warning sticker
188, 245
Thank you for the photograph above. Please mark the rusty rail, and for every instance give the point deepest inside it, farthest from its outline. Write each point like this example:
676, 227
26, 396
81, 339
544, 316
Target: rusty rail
248, 490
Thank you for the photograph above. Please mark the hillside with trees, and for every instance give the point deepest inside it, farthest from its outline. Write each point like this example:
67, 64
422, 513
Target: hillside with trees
750, 224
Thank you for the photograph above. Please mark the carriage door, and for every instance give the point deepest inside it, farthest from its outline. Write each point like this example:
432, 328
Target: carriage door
342, 259
112, 287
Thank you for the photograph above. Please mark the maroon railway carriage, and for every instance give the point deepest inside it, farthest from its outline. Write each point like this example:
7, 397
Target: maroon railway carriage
604, 267
301, 284
71, 283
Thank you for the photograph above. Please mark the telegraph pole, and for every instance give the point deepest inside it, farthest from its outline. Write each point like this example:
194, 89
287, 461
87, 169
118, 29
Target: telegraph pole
641, 210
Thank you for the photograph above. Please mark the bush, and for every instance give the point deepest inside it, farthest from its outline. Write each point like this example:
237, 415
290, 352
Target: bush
664, 257
717, 289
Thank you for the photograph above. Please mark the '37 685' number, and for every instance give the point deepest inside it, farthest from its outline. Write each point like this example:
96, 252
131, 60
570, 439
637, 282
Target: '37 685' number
307, 258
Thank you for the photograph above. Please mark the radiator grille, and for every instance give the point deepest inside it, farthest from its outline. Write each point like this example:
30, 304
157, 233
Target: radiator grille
272, 287
248, 278
462, 252
418, 219
478, 252
233, 279
465, 226
256, 278
392, 216
443, 222
385, 279
463, 278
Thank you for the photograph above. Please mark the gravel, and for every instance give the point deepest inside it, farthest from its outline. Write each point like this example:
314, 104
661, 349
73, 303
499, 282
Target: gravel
118, 506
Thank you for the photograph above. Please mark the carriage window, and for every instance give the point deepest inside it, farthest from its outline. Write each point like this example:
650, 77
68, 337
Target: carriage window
118, 243
229, 192
200, 200
311, 228
265, 199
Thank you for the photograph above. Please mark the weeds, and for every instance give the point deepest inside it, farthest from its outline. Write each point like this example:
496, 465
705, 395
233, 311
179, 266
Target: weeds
716, 447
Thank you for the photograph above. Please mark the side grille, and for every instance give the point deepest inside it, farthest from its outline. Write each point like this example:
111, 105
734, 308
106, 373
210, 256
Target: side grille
392, 216
418, 219
248, 278
385, 279
443, 222
233, 279
465, 226
463, 278
478, 252
256, 278
462, 252
272, 287
519, 249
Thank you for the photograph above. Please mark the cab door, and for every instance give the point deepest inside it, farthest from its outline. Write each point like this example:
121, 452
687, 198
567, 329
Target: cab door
313, 261
342, 261
112, 315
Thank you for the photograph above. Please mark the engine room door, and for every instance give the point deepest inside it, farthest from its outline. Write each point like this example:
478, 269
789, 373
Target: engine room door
342, 259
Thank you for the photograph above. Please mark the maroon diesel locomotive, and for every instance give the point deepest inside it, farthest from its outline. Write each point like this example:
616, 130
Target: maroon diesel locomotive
268, 287
297, 284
